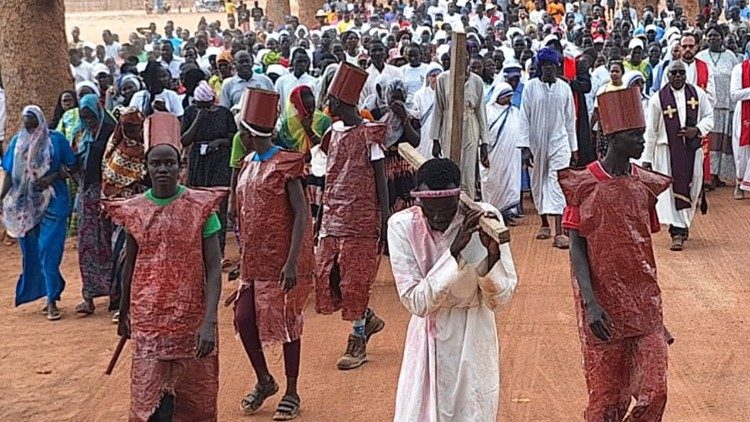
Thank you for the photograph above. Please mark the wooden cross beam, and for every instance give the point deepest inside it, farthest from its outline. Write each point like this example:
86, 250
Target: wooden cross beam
491, 226
451, 141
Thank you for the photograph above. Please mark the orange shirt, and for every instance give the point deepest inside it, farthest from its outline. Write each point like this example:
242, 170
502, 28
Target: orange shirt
557, 11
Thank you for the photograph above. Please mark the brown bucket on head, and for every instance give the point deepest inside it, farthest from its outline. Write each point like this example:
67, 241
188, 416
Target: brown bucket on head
347, 84
161, 128
260, 108
621, 110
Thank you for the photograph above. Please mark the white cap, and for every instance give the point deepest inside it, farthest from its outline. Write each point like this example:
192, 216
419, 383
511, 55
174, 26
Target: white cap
635, 42
100, 68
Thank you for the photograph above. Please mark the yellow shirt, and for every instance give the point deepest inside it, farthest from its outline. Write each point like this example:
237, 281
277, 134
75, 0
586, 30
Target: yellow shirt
230, 7
556, 10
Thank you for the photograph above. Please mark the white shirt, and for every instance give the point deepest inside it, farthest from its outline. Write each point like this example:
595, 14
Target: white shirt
414, 79
112, 51
82, 72
171, 99
285, 84
373, 72
173, 66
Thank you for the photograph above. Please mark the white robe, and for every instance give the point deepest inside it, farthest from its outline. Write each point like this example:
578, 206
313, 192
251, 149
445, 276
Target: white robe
451, 364
422, 109
657, 153
501, 183
548, 129
741, 154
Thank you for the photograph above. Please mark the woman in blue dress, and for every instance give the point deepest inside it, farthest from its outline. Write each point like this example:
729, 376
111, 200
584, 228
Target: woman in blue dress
36, 207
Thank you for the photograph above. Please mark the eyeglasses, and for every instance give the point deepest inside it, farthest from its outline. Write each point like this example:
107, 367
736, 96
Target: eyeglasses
687, 46
677, 72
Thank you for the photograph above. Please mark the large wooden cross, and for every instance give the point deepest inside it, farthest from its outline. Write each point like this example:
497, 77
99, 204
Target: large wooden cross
452, 140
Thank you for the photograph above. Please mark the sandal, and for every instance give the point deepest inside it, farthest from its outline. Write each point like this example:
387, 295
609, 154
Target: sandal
544, 233
561, 242
54, 315
116, 317
85, 309
234, 274
226, 264
254, 401
44, 310
288, 408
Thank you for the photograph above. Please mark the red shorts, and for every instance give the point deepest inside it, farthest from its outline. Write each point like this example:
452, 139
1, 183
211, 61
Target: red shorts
345, 268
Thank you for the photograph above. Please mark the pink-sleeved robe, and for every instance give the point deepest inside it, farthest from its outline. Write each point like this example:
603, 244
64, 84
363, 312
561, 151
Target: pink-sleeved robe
451, 366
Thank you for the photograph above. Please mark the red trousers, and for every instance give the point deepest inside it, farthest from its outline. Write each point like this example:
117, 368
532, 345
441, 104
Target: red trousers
631, 367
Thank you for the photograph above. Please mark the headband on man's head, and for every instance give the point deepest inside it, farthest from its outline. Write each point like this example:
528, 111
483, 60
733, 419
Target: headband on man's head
430, 194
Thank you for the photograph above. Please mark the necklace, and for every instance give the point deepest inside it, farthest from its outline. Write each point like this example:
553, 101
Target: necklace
711, 56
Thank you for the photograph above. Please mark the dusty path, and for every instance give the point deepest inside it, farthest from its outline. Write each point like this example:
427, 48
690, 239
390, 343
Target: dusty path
54, 371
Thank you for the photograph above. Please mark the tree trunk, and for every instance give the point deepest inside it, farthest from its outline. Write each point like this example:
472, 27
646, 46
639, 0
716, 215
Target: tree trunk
307, 9
34, 61
276, 10
691, 9
638, 5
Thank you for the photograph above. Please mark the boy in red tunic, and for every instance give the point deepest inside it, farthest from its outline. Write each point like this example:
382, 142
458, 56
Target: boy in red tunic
276, 269
355, 210
171, 286
611, 215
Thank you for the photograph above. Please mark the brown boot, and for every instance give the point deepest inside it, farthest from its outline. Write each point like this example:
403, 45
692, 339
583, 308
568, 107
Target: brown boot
678, 242
355, 355
373, 324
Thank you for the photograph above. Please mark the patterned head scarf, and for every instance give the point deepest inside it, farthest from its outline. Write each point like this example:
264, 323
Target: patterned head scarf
204, 92
292, 134
83, 133
124, 163
25, 205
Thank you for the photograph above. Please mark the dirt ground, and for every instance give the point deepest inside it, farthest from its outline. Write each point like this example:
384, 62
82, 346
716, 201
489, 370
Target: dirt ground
55, 370
124, 22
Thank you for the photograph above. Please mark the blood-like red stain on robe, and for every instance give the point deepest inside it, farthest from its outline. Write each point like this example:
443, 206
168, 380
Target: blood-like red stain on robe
167, 304
616, 216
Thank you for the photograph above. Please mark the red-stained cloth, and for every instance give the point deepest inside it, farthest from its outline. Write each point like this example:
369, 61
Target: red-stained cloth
616, 216
167, 302
745, 130
266, 220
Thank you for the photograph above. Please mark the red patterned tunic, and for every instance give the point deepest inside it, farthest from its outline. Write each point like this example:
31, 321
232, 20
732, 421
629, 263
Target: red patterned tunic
168, 304
616, 216
266, 220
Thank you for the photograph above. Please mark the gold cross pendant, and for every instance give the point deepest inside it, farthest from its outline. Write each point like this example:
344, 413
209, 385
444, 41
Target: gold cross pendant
693, 103
669, 112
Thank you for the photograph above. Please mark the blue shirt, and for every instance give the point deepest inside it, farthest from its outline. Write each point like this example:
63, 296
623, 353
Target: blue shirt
62, 154
234, 87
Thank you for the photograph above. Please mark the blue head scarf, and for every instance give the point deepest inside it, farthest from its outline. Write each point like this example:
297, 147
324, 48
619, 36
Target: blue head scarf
83, 133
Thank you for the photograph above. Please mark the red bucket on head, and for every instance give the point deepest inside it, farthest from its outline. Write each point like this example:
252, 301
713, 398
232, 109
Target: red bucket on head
621, 110
347, 84
162, 128
260, 108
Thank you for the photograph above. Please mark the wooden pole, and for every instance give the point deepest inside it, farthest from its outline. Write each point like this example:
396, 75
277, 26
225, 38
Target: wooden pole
452, 143
491, 226
116, 355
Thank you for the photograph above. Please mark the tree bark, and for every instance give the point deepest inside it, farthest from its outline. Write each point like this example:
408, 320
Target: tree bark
33, 57
276, 10
638, 5
307, 9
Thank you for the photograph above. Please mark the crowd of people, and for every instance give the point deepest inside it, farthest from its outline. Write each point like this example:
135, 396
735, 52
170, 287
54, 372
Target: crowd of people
288, 136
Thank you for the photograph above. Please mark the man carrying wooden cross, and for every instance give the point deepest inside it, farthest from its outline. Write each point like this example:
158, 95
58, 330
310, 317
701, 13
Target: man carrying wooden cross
451, 276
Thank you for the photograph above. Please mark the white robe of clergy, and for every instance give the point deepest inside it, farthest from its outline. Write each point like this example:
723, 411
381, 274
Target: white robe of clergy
691, 77
657, 153
501, 183
422, 109
738, 95
548, 129
451, 365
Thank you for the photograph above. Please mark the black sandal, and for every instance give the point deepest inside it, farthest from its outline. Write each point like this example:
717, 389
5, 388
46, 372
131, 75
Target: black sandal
288, 408
254, 401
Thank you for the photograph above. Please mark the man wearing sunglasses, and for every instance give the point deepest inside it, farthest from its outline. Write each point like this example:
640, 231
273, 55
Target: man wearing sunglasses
678, 117
697, 71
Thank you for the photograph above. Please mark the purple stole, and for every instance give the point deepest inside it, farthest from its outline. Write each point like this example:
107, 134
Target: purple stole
681, 149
